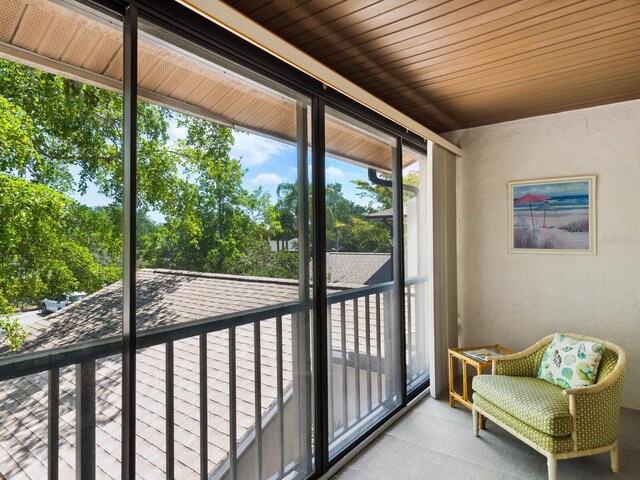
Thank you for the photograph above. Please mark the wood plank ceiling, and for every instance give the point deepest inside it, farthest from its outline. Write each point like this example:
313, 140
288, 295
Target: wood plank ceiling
463, 63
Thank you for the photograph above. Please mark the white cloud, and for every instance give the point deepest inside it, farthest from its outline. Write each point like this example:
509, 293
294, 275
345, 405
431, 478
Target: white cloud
334, 173
176, 132
268, 179
255, 150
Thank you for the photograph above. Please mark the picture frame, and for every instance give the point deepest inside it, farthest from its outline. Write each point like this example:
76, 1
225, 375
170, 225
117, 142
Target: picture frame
553, 215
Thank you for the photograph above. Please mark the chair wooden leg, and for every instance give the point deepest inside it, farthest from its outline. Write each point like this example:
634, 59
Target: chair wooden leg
615, 458
552, 467
476, 423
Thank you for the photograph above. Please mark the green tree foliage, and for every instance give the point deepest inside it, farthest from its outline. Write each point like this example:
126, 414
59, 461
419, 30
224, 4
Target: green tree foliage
286, 209
12, 334
59, 136
51, 125
380, 197
218, 220
261, 261
45, 246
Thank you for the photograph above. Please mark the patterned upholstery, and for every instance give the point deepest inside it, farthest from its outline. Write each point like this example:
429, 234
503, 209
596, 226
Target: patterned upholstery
535, 402
548, 442
539, 411
597, 420
522, 367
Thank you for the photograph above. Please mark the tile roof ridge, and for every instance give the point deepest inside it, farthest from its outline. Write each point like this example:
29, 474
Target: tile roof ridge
223, 276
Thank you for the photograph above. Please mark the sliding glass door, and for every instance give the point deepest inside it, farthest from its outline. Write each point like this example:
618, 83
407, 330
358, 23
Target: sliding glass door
156, 191
416, 266
363, 332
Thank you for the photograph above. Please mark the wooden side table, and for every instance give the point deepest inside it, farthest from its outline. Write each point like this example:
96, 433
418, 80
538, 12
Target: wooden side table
466, 360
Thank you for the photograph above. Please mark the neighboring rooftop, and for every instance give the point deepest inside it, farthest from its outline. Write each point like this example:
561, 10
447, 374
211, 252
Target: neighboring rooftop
165, 297
360, 268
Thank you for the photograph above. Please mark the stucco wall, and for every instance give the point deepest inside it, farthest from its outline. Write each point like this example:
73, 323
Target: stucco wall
516, 299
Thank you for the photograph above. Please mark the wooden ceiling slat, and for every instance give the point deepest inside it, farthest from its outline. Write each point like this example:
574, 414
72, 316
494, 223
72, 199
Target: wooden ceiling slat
520, 75
436, 22
540, 60
552, 32
624, 63
354, 21
307, 18
535, 108
440, 62
463, 66
396, 47
288, 17
542, 101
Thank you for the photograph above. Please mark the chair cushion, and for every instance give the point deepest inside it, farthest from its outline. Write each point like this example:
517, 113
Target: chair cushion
571, 362
535, 402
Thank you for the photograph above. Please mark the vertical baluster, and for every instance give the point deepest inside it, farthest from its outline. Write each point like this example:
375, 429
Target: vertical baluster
257, 368
330, 374
379, 348
204, 410
86, 420
280, 393
343, 351
233, 448
367, 326
356, 347
54, 424
169, 415
409, 335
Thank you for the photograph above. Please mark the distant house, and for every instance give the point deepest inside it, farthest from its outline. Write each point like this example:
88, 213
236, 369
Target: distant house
168, 298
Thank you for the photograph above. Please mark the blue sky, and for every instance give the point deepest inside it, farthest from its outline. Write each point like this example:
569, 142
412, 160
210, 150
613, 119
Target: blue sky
267, 163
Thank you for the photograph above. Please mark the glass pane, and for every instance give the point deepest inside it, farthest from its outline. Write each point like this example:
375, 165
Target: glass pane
61, 240
223, 264
416, 237
363, 360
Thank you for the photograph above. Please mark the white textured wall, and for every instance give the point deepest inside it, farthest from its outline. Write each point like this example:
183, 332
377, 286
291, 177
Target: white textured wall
516, 299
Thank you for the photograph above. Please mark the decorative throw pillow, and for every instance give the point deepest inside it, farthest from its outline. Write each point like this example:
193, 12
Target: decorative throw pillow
571, 362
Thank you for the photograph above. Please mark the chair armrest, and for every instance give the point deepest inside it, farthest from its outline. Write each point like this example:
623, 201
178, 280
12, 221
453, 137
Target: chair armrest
596, 412
522, 364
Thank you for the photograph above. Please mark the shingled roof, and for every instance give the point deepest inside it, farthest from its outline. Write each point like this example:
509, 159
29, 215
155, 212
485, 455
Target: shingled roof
164, 297
359, 268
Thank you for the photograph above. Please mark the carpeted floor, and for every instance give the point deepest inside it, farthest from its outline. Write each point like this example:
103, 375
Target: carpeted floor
434, 441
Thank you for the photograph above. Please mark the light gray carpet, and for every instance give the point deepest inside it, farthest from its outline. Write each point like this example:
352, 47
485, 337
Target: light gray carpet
435, 441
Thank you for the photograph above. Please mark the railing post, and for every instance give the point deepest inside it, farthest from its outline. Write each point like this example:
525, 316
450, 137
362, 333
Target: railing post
86, 420
233, 437
356, 360
389, 351
367, 320
379, 347
204, 410
257, 372
54, 424
343, 365
280, 393
169, 415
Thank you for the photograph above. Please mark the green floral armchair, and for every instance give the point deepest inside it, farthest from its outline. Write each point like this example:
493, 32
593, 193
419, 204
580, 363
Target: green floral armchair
558, 423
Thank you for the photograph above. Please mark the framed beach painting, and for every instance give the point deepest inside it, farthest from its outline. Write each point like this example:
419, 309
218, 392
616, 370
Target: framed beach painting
555, 215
